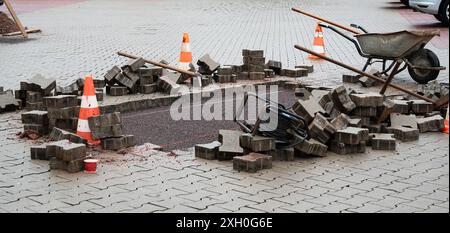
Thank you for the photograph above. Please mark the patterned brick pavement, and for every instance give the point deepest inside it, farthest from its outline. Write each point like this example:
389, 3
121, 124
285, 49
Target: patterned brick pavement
412, 179
415, 178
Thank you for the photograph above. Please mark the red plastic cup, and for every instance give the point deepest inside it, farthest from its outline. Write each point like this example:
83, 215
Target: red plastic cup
90, 165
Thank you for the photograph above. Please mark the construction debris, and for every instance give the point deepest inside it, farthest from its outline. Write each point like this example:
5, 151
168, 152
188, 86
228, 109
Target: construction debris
108, 129
207, 151
207, 65
36, 121
380, 141
63, 111
252, 162
230, 145
31, 92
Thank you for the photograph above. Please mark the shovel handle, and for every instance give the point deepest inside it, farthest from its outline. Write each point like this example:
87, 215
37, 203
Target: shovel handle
123, 54
326, 21
371, 76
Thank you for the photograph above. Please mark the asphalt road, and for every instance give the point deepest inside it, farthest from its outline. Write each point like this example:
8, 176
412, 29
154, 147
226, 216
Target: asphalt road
156, 126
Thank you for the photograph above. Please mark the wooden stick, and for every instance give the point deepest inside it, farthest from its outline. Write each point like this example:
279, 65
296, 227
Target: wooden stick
158, 64
16, 19
29, 31
363, 73
326, 21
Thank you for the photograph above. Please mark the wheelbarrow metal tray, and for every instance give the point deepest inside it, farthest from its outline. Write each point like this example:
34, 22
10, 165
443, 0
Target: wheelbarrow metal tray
395, 45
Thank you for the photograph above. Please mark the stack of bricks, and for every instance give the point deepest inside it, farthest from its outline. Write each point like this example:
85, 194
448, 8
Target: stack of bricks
33, 91
225, 75
35, 121
294, 73
254, 65
63, 155
133, 77
108, 129
168, 83
62, 111
350, 140
257, 150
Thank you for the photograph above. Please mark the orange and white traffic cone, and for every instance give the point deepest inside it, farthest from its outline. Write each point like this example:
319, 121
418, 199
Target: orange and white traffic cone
186, 53
445, 129
89, 108
318, 44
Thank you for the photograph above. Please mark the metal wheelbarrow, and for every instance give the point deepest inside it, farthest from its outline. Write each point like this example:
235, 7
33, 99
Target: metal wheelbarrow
397, 47
408, 46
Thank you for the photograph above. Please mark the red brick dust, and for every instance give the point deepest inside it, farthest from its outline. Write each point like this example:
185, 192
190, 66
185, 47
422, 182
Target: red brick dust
7, 25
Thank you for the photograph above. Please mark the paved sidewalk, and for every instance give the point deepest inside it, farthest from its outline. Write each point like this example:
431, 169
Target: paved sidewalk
415, 178
412, 179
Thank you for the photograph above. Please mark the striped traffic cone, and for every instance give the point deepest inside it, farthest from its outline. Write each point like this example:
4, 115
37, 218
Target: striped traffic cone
445, 129
89, 107
186, 53
318, 44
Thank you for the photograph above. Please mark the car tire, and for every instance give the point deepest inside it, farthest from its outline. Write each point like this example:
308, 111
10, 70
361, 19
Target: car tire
423, 57
438, 17
443, 12
405, 2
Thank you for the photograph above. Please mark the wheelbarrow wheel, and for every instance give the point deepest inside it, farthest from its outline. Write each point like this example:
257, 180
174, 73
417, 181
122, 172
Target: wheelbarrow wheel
425, 58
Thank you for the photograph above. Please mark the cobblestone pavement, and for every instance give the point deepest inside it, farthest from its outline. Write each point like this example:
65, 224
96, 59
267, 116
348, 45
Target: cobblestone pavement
412, 179
415, 178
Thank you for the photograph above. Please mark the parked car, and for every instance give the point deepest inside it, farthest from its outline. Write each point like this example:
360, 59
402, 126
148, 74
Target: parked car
405, 2
438, 8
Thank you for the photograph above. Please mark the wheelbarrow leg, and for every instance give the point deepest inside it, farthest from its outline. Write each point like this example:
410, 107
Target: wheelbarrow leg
391, 76
369, 60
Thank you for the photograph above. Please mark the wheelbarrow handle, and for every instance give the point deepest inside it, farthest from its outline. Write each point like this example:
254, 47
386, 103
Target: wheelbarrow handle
359, 27
345, 36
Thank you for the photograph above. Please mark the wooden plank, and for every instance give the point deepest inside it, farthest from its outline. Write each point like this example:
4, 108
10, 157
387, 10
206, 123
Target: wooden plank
29, 31
16, 19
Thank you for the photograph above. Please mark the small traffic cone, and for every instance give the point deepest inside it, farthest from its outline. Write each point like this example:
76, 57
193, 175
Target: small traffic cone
445, 129
89, 108
319, 44
186, 53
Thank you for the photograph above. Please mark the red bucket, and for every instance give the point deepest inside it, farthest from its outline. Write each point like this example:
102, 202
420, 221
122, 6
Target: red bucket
90, 165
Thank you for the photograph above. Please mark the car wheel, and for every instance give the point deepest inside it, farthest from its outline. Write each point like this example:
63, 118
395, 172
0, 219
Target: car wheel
438, 17
425, 58
405, 2
443, 12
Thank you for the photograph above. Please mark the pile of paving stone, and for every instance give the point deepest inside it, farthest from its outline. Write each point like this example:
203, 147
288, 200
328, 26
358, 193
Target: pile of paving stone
67, 151
133, 77
62, 155
32, 92
76, 88
433, 90
108, 128
254, 67
339, 120
363, 80
61, 112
